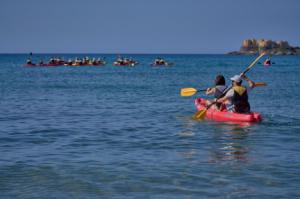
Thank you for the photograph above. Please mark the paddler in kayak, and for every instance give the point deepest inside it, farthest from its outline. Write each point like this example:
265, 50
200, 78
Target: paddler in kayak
51, 61
267, 62
69, 62
217, 91
159, 61
99, 61
29, 62
236, 99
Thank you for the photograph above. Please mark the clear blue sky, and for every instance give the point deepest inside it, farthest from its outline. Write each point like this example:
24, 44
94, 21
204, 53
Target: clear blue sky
143, 26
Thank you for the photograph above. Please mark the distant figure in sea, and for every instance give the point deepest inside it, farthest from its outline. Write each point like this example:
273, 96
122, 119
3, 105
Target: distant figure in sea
267, 62
236, 98
51, 61
217, 90
29, 61
70, 62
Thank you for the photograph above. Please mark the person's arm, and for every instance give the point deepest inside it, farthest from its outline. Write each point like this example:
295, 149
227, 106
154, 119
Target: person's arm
225, 99
210, 91
249, 81
222, 99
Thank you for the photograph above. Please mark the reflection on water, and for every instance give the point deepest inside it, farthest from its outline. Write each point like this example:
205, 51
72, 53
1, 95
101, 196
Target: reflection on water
230, 143
208, 144
188, 126
227, 141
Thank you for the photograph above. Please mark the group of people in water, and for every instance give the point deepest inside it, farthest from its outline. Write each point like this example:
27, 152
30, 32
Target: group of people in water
125, 61
70, 62
159, 61
52, 60
120, 61
233, 98
85, 61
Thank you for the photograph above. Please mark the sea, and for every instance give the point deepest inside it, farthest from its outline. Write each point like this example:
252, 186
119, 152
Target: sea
125, 132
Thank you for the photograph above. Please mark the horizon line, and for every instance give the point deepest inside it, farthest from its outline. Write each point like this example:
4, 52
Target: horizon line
41, 53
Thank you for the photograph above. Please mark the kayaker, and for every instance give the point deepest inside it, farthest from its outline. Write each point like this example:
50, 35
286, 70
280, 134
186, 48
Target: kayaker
217, 90
70, 62
267, 62
120, 60
156, 61
51, 60
236, 98
93, 61
29, 61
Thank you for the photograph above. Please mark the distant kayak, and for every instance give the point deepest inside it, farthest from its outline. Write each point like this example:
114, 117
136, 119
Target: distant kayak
162, 64
226, 116
125, 64
76, 64
42, 65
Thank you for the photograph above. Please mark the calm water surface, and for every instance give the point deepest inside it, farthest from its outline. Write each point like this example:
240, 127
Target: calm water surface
119, 132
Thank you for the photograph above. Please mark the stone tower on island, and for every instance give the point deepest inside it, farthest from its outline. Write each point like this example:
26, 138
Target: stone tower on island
254, 46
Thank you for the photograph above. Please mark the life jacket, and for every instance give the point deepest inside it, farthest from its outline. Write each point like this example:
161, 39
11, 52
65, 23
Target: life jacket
240, 100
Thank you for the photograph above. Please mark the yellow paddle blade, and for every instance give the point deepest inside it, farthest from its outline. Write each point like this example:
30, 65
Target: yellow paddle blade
187, 91
200, 115
258, 84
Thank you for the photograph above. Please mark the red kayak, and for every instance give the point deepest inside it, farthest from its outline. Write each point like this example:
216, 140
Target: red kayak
42, 65
226, 116
125, 64
161, 64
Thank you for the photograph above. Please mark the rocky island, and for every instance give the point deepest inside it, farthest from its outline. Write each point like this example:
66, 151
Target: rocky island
253, 46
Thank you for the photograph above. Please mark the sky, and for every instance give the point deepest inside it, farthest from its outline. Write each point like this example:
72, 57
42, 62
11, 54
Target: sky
144, 26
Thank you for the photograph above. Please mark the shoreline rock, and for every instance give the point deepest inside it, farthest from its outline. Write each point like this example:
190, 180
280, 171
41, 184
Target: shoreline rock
253, 46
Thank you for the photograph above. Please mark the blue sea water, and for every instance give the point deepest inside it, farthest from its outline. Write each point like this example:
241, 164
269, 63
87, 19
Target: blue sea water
125, 132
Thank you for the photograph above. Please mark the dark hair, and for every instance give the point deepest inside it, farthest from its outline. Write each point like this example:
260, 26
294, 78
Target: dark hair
220, 80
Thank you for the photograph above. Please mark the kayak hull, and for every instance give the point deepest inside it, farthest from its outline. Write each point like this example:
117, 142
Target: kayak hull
126, 64
102, 64
42, 65
226, 116
164, 64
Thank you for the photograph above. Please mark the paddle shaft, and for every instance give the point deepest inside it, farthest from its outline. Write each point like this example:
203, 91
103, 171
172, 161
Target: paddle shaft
253, 63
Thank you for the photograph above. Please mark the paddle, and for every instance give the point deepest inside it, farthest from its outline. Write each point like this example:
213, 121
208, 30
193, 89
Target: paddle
260, 84
201, 114
186, 92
